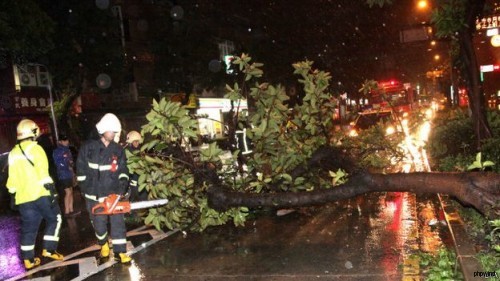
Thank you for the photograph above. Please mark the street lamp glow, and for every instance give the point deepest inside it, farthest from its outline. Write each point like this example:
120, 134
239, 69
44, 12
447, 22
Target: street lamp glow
422, 4
437, 57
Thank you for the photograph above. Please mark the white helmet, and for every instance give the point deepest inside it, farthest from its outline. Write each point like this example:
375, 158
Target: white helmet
134, 136
27, 129
108, 123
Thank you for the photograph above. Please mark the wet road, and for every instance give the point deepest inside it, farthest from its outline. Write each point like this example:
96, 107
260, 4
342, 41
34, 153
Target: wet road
367, 238
371, 237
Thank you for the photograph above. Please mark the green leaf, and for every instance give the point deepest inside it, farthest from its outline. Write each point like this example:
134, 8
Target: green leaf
488, 163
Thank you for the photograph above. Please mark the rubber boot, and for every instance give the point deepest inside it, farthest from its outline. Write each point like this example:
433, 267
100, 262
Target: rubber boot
105, 250
123, 258
29, 264
52, 255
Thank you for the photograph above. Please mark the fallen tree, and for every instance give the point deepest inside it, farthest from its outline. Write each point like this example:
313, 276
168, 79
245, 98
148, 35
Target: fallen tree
297, 158
478, 189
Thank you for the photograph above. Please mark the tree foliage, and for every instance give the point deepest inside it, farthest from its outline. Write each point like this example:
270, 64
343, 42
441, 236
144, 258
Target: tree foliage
168, 167
293, 162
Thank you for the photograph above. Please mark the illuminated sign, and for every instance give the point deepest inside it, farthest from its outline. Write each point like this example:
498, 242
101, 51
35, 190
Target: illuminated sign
221, 104
488, 22
492, 32
490, 68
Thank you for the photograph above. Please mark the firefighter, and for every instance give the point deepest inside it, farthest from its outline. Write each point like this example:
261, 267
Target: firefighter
101, 169
134, 139
35, 194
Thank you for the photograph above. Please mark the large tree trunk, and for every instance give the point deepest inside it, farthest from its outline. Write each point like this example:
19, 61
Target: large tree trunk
475, 91
478, 189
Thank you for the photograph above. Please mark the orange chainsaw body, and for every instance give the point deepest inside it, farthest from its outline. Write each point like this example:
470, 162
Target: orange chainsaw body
112, 205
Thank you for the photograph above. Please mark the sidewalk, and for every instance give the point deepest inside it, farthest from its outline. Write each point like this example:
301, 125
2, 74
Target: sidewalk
464, 247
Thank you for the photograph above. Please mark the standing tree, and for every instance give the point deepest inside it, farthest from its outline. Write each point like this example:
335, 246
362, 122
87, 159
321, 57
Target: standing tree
456, 20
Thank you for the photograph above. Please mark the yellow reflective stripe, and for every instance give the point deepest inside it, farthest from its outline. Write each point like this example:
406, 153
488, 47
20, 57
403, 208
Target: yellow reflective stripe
58, 227
106, 167
124, 176
93, 165
27, 247
55, 237
102, 236
119, 241
50, 238
91, 197
13, 158
19, 154
46, 180
81, 178
133, 183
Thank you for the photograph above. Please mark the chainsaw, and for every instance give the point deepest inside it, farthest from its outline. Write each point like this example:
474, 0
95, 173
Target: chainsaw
113, 204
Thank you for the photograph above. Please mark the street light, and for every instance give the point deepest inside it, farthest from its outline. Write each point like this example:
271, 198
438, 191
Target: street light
422, 4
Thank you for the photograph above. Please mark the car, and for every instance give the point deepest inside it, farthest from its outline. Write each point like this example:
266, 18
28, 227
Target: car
369, 118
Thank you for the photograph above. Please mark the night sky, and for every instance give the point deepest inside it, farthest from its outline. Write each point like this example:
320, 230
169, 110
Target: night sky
347, 38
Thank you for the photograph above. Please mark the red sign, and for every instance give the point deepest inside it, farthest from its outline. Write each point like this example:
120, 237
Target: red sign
25, 102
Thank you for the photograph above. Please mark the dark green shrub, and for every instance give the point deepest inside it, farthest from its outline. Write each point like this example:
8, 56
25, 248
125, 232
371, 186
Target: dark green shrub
452, 135
451, 143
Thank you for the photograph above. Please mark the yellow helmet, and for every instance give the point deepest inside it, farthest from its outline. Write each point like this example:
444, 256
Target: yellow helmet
27, 129
134, 136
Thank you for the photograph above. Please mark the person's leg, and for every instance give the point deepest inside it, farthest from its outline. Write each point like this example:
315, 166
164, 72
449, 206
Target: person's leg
118, 233
68, 200
52, 216
100, 224
30, 222
119, 237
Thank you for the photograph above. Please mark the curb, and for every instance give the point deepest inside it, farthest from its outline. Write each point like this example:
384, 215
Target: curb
464, 247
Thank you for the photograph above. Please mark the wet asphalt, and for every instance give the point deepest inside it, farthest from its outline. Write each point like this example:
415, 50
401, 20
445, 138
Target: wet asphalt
370, 237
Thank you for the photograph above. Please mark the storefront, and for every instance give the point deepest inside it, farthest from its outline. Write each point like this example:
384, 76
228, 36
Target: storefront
28, 103
215, 110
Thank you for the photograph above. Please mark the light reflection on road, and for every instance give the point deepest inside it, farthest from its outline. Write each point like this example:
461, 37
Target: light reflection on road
416, 161
414, 145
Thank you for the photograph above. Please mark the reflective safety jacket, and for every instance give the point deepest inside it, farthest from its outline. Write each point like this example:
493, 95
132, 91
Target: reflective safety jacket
99, 169
26, 179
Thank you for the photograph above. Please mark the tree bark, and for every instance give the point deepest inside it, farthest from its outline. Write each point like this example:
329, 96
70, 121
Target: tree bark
475, 91
478, 189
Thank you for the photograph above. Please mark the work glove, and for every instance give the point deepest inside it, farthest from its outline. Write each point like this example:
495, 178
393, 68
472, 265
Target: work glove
124, 188
53, 192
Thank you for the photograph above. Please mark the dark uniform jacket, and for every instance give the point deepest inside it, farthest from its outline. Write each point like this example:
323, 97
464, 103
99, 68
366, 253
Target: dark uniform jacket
101, 170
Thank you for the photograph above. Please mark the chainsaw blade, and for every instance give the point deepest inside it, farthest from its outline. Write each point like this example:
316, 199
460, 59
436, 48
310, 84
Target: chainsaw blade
147, 204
